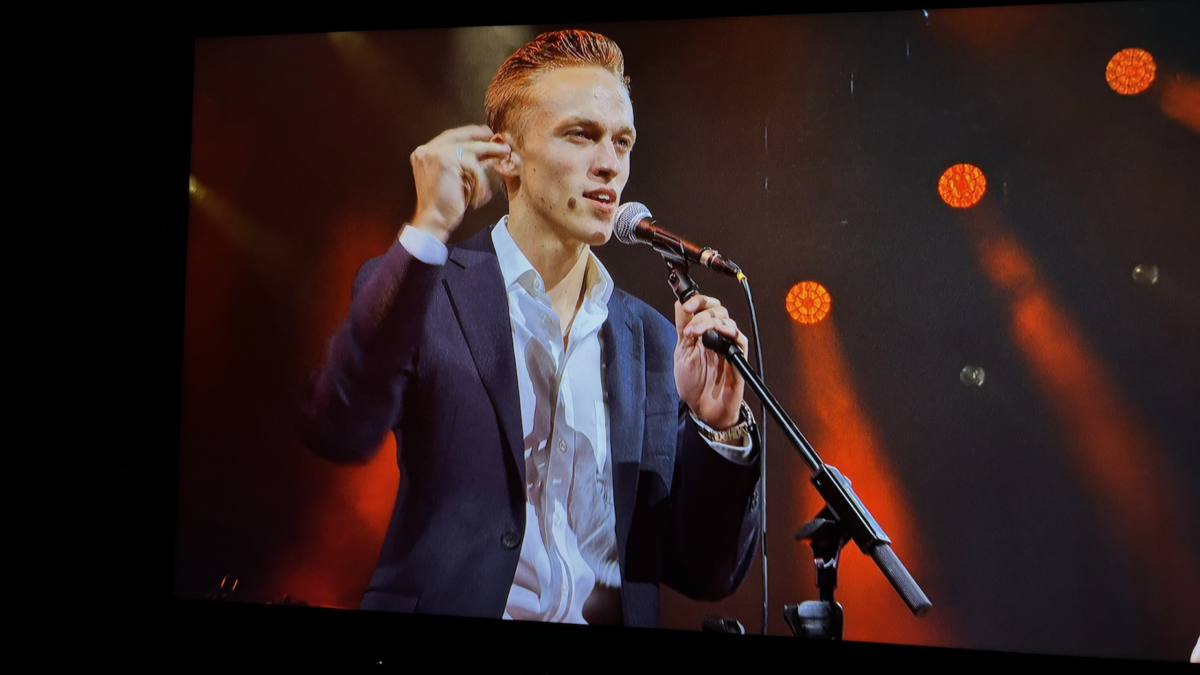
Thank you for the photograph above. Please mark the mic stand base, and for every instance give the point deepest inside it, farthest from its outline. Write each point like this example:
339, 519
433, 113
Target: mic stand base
821, 619
815, 619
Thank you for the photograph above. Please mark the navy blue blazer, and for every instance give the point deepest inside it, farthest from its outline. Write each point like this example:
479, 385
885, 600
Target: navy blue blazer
426, 352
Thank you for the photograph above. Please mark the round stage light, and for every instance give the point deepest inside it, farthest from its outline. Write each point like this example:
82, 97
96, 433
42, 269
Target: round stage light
807, 302
962, 185
1130, 71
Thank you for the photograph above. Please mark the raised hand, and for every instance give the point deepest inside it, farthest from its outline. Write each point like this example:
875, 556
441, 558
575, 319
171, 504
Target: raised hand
451, 175
709, 385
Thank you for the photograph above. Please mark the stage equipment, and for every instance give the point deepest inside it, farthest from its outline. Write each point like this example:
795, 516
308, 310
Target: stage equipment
844, 517
722, 624
634, 225
807, 302
1130, 71
962, 185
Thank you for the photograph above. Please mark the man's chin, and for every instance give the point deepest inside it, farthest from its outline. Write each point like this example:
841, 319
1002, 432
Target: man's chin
601, 238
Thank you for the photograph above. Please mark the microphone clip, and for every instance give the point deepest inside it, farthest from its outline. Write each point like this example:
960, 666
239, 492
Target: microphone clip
677, 276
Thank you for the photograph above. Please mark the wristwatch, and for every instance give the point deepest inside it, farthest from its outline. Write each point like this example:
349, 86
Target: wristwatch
733, 434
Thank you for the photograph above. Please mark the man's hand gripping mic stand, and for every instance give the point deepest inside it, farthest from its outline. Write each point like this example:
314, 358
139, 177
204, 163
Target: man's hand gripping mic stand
844, 517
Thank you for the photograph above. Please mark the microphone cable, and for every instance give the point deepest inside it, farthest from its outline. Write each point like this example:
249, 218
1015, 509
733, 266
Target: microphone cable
762, 446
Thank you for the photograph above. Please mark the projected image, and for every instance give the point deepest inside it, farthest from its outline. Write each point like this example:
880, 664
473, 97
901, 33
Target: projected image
423, 374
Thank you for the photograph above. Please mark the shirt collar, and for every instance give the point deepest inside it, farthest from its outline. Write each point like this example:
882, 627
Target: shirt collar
518, 271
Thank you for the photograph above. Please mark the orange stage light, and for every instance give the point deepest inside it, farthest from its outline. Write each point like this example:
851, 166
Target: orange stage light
1112, 448
1181, 99
332, 560
840, 427
807, 302
962, 185
1130, 71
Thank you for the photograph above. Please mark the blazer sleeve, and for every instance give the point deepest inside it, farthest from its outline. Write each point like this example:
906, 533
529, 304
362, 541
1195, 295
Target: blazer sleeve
353, 400
714, 518
711, 514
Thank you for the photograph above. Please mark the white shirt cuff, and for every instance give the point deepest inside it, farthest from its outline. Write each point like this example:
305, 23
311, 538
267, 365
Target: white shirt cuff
738, 454
423, 246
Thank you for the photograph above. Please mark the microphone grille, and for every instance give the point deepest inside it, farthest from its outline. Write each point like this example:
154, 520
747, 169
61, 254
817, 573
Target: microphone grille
627, 217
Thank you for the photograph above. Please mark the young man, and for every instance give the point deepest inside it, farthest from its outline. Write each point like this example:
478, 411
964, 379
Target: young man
563, 449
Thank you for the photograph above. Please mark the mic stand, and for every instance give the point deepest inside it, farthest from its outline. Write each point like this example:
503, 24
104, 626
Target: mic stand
843, 508
822, 618
685, 287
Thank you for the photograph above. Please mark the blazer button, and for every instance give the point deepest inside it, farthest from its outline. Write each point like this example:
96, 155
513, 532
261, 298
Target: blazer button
510, 540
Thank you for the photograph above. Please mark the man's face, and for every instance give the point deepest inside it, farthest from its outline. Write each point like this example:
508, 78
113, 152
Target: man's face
575, 152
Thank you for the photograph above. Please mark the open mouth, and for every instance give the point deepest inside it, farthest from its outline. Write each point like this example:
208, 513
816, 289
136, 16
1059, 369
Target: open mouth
604, 197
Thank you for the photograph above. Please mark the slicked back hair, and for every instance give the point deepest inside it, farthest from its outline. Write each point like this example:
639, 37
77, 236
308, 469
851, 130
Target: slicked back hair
505, 105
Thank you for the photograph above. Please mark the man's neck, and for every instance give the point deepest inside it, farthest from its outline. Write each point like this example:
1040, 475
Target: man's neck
561, 263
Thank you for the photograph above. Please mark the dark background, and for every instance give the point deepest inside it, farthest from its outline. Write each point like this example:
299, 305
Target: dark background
1051, 510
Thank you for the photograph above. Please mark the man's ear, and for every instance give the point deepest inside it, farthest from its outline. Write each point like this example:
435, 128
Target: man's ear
508, 167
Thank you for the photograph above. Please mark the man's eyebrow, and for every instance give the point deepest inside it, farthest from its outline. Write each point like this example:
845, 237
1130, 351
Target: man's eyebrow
593, 123
578, 121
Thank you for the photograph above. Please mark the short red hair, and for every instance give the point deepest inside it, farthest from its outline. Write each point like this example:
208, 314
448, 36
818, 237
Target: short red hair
505, 95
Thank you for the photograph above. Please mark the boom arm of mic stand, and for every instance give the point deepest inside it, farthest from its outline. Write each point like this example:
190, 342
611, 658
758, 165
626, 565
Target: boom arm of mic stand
833, 487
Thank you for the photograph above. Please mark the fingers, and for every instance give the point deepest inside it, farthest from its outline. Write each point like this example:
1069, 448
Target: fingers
477, 190
468, 143
484, 150
473, 154
472, 159
470, 132
451, 175
709, 315
713, 317
696, 303
710, 385
701, 314
474, 162
725, 326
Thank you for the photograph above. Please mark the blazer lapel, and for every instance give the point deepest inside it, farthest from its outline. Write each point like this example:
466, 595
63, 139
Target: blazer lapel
625, 382
476, 290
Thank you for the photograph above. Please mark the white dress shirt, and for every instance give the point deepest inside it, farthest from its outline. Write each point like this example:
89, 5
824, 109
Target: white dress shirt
569, 548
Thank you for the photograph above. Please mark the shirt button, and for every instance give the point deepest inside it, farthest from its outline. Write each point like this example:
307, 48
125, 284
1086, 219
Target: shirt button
510, 540
562, 445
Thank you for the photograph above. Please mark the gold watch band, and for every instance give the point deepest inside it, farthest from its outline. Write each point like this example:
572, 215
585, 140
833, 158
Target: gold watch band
735, 433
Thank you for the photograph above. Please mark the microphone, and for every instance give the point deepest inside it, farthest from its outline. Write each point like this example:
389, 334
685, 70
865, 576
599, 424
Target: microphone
635, 225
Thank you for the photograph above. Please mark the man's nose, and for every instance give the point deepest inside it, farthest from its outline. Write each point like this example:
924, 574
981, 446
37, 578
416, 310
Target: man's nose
607, 164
